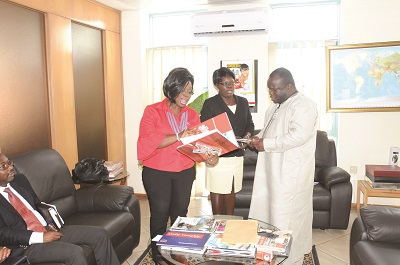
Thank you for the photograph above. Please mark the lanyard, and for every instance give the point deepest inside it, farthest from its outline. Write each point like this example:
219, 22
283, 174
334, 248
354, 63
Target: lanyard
177, 128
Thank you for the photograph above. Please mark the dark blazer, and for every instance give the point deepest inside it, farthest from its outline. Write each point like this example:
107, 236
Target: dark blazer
241, 120
13, 230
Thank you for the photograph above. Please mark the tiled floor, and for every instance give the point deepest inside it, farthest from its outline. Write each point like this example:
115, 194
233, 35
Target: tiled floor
332, 245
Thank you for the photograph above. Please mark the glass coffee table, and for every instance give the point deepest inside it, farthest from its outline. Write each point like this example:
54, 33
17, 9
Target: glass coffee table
180, 257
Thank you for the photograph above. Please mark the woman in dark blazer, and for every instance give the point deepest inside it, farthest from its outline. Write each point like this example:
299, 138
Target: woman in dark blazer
225, 179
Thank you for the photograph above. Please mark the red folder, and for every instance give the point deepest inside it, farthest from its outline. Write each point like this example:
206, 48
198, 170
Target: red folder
217, 136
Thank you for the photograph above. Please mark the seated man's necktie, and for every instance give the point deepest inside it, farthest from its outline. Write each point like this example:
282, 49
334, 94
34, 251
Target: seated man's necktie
30, 219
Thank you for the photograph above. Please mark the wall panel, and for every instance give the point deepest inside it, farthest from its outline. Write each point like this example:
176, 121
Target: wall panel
90, 111
84, 11
114, 97
24, 116
61, 87
58, 18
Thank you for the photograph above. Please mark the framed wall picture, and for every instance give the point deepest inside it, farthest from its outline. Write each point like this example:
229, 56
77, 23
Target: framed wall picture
363, 77
245, 79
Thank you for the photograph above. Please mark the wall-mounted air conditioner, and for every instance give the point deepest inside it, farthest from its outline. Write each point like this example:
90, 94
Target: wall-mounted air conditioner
229, 22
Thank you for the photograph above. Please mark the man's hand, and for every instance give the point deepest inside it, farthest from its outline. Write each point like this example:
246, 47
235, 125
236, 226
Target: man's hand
257, 143
4, 253
51, 236
212, 159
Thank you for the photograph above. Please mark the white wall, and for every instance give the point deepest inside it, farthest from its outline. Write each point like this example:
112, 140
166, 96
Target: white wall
364, 138
135, 88
254, 47
134, 43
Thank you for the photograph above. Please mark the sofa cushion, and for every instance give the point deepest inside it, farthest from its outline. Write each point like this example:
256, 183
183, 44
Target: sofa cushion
102, 197
250, 156
321, 198
50, 178
117, 224
382, 223
374, 253
248, 172
322, 152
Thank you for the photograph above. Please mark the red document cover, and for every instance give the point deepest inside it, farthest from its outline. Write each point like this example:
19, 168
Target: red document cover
217, 136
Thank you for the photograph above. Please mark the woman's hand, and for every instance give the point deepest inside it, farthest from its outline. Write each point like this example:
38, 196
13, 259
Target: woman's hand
4, 253
212, 159
188, 132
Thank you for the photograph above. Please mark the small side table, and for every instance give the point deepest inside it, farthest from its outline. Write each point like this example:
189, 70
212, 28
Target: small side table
364, 187
120, 179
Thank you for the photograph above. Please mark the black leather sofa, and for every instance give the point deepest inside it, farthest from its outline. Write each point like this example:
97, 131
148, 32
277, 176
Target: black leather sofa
112, 207
375, 236
332, 193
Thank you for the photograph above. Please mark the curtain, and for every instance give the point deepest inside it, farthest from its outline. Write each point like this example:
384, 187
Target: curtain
160, 61
306, 61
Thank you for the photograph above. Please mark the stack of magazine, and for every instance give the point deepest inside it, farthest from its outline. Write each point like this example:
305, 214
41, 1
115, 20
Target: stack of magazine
205, 236
114, 168
276, 243
188, 235
215, 247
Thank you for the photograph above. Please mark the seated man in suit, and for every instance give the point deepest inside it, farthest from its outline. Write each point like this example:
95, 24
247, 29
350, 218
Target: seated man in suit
22, 226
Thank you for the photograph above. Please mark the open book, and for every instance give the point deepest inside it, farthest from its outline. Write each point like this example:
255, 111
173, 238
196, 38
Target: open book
216, 136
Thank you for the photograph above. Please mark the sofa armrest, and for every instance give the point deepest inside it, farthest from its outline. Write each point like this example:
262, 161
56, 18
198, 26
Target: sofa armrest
358, 232
133, 206
340, 205
332, 175
103, 197
382, 223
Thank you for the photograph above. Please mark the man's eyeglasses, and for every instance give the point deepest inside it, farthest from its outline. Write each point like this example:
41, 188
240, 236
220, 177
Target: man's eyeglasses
6, 165
189, 93
274, 89
227, 84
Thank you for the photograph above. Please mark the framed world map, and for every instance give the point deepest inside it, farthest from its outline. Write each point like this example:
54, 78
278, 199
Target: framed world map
363, 77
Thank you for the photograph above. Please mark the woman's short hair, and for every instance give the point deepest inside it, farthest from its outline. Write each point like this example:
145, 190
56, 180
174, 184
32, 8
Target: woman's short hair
221, 72
175, 82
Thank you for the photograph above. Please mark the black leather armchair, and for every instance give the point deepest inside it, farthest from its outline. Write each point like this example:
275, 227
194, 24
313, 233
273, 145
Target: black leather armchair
332, 193
375, 236
112, 207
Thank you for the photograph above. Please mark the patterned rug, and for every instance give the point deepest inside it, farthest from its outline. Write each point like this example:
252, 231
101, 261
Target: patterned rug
309, 259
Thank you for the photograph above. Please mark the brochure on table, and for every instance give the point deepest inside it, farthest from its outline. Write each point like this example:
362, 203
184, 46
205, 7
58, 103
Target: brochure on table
194, 224
184, 239
216, 136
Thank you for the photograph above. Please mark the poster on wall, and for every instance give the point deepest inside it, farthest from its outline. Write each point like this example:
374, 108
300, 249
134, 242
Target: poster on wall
245, 79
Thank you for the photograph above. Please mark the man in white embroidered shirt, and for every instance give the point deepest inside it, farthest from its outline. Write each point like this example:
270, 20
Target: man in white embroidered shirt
283, 181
